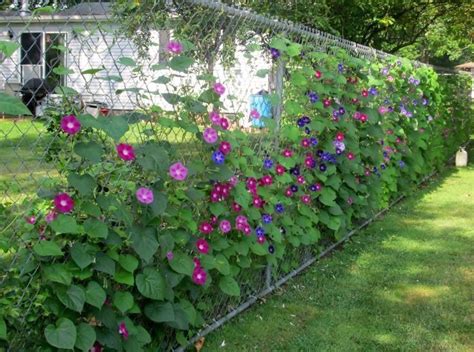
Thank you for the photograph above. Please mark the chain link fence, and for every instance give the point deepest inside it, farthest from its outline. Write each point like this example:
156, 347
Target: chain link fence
108, 59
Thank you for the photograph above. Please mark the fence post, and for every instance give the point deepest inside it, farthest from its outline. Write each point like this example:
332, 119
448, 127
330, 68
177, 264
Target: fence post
277, 89
268, 276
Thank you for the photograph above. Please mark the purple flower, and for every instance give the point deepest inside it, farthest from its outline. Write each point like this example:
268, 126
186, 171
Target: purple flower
218, 157
202, 246
31, 219
260, 231
199, 276
178, 171
63, 203
339, 145
225, 226
144, 195
215, 118
267, 218
170, 255
294, 188
267, 163
313, 97
401, 163
279, 208
70, 124
340, 68
210, 135
174, 47
322, 167
218, 88
373, 91
254, 114
271, 249
314, 140
342, 111
275, 53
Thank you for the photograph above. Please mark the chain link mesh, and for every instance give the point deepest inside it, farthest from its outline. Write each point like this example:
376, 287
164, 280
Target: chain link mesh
90, 52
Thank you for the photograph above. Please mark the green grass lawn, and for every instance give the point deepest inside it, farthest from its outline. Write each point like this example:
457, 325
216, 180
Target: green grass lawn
406, 283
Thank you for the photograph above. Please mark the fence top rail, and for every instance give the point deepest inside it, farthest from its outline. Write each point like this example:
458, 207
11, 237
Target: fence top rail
306, 31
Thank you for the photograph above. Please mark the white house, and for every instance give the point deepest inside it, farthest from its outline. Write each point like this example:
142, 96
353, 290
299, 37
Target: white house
84, 38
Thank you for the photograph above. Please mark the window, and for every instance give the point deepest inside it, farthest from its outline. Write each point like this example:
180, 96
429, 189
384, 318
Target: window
41, 53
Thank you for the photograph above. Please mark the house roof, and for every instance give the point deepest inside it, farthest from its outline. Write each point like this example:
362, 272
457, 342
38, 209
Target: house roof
81, 12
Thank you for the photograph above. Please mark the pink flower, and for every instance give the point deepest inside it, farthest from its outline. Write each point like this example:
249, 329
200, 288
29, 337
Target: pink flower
178, 171
318, 74
225, 226
261, 239
122, 330
305, 142
197, 262
224, 123
390, 78
383, 110
63, 203
202, 246
258, 202
170, 255
51, 216
96, 348
219, 88
174, 47
280, 169
288, 192
205, 228
236, 207
318, 186
144, 195
363, 117
267, 180
125, 152
367, 172
225, 147
251, 183
241, 220
70, 124
31, 219
300, 179
233, 181
210, 135
350, 156
339, 136
287, 153
199, 276
254, 114
327, 102
365, 93
247, 229
306, 199
215, 118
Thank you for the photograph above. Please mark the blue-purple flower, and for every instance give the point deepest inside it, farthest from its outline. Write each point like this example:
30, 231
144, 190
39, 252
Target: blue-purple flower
322, 167
267, 163
218, 157
279, 208
260, 231
267, 218
275, 53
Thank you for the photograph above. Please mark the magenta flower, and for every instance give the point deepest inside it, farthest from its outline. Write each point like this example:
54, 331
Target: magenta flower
287, 153
70, 124
144, 195
258, 202
267, 180
383, 110
350, 156
225, 147
205, 228
63, 203
241, 219
339, 136
96, 348
318, 74
197, 262
233, 181
31, 219
213, 220
254, 114
199, 276
178, 171
300, 179
51, 216
125, 152
247, 229
261, 239
224, 123
306, 199
236, 207
210, 135
219, 88
215, 118
225, 226
174, 47
122, 330
202, 246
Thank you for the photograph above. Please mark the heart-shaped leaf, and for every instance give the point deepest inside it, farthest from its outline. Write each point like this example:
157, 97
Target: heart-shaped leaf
62, 335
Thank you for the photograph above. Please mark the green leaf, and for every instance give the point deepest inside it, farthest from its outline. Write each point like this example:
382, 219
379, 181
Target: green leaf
222, 264
12, 106
47, 248
73, 298
144, 242
183, 264
90, 151
171, 98
8, 48
160, 312
95, 295
160, 202
92, 71
3, 329
65, 224
81, 254
298, 79
57, 273
262, 73
66, 91
85, 337
124, 277
151, 284
127, 61
217, 209
123, 301
114, 127
95, 228
180, 63
85, 184
328, 196
128, 262
229, 286
62, 71
62, 335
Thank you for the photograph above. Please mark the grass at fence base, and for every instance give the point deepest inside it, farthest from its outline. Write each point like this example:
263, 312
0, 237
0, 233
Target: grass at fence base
403, 284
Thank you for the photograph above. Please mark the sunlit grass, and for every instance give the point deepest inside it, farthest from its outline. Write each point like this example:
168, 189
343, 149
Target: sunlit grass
403, 284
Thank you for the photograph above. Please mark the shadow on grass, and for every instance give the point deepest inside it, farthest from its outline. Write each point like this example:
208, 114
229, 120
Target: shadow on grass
403, 284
